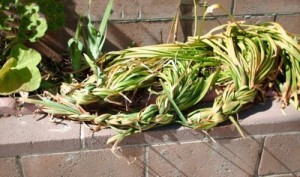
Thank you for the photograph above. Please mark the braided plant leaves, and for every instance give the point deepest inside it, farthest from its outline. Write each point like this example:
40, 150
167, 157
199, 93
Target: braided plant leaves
242, 64
249, 59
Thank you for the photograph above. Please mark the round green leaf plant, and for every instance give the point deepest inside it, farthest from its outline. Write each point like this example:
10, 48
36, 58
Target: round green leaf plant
20, 72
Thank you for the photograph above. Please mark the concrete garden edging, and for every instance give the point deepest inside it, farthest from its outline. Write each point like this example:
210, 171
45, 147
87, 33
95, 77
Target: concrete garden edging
31, 145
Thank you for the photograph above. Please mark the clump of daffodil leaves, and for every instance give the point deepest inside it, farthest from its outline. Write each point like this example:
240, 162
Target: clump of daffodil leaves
141, 88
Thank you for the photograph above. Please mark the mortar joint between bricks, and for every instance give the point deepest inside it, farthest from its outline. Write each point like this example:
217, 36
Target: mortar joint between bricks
146, 158
275, 18
232, 6
20, 166
81, 136
122, 10
294, 174
263, 138
140, 10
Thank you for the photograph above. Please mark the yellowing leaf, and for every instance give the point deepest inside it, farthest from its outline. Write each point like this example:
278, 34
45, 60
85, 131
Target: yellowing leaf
20, 73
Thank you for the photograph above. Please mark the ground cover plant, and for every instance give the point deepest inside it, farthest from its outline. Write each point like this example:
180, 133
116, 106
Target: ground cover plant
141, 88
23, 22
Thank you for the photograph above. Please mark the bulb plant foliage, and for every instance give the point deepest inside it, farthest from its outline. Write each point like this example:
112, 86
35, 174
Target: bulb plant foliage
140, 88
88, 39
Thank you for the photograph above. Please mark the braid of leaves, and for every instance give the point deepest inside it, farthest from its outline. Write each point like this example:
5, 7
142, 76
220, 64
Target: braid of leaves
290, 54
184, 82
180, 78
181, 87
131, 69
251, 59
242, 62
114, 81
118, 79
225, 105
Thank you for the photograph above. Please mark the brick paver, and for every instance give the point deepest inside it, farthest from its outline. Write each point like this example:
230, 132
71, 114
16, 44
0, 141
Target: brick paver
235, 158
86, 164
281, 154
9, 168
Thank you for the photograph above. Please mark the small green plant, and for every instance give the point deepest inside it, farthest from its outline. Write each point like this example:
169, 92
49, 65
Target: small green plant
20, 72
24, 21
20, 22
52, 10
88, 39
